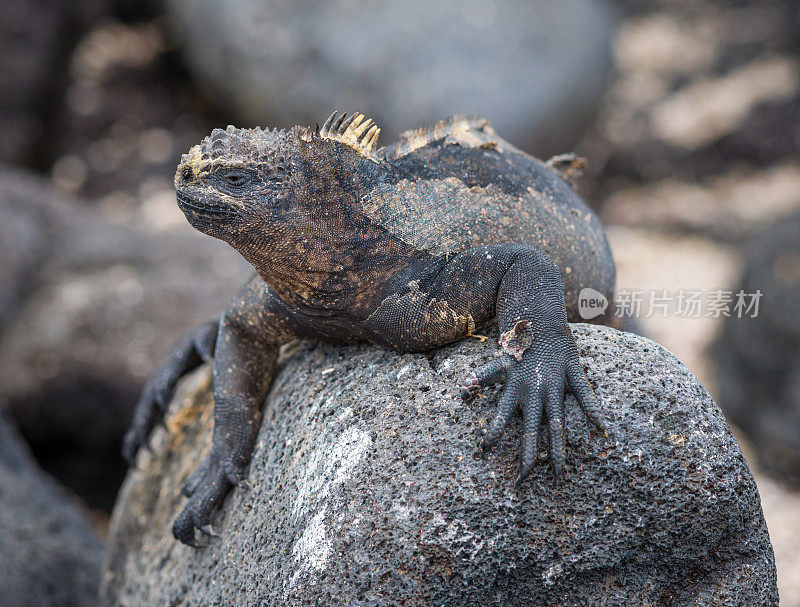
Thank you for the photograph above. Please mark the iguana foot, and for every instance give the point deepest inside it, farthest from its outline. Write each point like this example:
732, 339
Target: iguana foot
188, 353
537, 379
206, 489
152, 404
149, 410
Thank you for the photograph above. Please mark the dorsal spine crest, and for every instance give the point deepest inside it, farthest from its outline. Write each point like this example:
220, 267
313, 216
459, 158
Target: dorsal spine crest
412, 140
357, 132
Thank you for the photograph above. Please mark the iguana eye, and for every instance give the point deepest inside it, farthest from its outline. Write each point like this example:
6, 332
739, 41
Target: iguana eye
232, 181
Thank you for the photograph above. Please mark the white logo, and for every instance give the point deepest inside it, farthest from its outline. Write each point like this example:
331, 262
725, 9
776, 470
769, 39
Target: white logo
591, 303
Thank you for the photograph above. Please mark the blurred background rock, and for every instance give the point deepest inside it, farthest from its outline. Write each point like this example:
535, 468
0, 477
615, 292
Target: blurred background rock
537, 67
687, 111
50, 554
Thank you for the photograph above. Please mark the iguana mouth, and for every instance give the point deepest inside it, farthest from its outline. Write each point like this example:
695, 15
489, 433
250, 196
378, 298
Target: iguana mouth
193, 207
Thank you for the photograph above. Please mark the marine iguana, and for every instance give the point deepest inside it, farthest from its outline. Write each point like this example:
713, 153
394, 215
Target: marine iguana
409, 247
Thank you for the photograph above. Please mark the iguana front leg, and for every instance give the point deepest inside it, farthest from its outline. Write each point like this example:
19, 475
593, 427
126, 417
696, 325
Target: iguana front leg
243, 367
538, 359
252, 329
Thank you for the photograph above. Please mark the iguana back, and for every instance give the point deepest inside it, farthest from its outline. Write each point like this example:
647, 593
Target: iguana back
458, 185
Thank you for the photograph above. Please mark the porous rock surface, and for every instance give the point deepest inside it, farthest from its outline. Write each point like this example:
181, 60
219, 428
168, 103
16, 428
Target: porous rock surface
368, 488
49, 554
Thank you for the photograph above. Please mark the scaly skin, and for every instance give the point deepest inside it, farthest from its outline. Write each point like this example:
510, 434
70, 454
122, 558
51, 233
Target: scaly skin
408, 247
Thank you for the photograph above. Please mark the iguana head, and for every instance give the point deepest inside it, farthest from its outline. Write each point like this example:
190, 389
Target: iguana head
228, 184
248, 181
279, 194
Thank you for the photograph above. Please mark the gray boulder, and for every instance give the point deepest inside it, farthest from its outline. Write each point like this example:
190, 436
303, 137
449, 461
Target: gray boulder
49, 554
368, 488
534, 68
87, 308
758, 358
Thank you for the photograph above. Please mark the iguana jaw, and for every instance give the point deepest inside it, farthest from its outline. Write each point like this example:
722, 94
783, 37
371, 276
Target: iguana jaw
198, 208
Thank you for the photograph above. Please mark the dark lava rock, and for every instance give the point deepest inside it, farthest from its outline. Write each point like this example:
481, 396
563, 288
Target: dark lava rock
88, 307
534, 68
33, 38
758, 359
368, 488
49, 555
